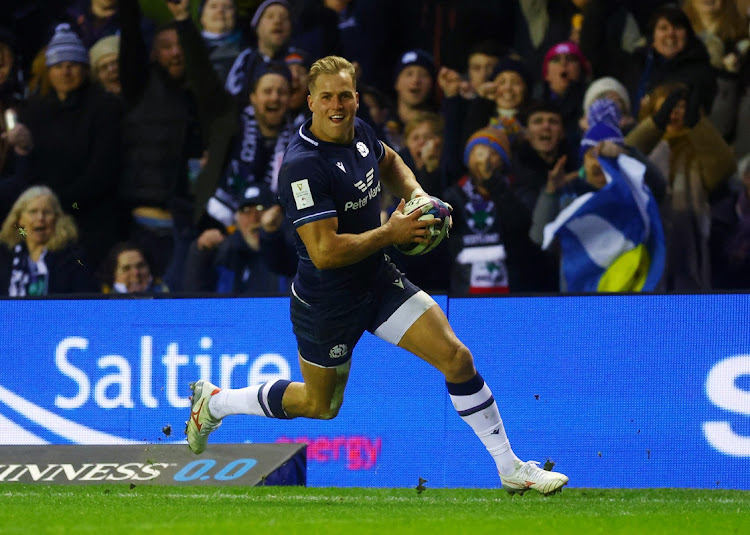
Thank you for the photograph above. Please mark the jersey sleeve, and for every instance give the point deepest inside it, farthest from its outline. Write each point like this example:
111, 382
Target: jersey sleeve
305, 191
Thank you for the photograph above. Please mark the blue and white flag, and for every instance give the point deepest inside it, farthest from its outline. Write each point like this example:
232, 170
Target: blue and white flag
611, 239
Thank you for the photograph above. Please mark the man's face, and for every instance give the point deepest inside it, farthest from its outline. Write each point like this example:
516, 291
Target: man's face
413, 85
218, 16
480, 68
248, 222
270, 100
483, 162
66, 76
168, 53
333, 103
544, 132
108, 73
132, 270
274, 27
562, 70
298, 95
511, 90
6, 62
669, 40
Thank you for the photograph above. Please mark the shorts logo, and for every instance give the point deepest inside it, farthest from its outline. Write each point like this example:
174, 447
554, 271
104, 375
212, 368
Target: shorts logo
338, 351
362, 148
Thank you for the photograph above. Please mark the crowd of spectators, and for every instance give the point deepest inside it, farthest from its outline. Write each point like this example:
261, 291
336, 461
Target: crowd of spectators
142, 140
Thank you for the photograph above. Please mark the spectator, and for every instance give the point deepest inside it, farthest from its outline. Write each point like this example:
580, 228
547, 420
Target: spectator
672, 53
15, 140
697, 163
603, 139
104, 58
501, 98
613, 90
565, 71
539, 24
94, 19
76, 135
38, 255
272, 25
127, 270
486, 247
161, 134
730, 234
223, 38
251, 260
414, 76
540, 149
723, 29
299, 64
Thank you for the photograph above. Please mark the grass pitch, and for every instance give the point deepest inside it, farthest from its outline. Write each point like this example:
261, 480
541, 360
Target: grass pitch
290, 510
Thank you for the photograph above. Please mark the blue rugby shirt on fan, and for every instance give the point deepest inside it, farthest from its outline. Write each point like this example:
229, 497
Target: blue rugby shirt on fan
320, 180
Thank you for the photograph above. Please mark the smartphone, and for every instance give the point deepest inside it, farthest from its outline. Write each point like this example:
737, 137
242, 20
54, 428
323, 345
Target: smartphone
10, 119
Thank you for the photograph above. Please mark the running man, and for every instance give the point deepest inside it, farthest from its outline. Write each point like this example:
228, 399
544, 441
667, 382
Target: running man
329, 186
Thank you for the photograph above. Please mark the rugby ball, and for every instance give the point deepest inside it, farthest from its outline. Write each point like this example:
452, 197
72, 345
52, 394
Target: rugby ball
431, 208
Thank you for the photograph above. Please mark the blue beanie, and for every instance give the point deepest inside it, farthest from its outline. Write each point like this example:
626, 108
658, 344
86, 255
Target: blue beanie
262, 7
65, 45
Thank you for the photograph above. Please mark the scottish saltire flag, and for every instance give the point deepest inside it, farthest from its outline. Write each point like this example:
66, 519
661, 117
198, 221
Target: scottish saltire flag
611, 239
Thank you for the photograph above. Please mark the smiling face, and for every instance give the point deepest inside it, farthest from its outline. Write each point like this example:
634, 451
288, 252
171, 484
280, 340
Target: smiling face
562, 70
545, 132
413, 86
218, 16
511, 90
274, 28
333, 102
669, 40
132, 270
270, 99
38, 221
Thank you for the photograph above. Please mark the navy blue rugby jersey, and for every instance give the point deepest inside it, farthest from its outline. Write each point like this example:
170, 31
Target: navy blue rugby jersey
319, 180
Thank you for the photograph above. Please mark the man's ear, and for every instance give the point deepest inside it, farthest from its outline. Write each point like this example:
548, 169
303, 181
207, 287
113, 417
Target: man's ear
309, 102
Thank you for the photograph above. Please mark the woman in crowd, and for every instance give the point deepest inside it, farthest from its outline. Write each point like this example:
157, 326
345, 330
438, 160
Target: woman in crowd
38, 253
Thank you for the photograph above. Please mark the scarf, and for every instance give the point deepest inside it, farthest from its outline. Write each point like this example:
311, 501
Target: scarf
253, 159
27, 277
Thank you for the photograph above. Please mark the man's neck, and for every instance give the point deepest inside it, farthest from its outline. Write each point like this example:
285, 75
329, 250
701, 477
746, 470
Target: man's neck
267, 50
406, 112
268, 130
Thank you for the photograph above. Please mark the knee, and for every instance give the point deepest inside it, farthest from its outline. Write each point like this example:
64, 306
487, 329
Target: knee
460, 367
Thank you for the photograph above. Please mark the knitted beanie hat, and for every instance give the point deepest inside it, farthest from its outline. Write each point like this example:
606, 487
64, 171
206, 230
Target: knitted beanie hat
494, 138
262, 7
566, 47
419, 57
65, 45
106, 46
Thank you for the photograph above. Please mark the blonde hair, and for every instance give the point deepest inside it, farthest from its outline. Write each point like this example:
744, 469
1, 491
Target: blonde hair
732, 24
435, 120
330, 65
65, 231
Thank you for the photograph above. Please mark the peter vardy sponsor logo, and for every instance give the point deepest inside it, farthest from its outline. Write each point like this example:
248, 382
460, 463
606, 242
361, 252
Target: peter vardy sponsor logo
148, 375
362, 202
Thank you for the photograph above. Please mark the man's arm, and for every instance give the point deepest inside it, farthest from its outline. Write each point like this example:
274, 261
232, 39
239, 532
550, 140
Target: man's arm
397, 176
330, 250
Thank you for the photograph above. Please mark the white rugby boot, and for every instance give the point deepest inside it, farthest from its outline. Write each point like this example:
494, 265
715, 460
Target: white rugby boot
201, 423
528, 475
